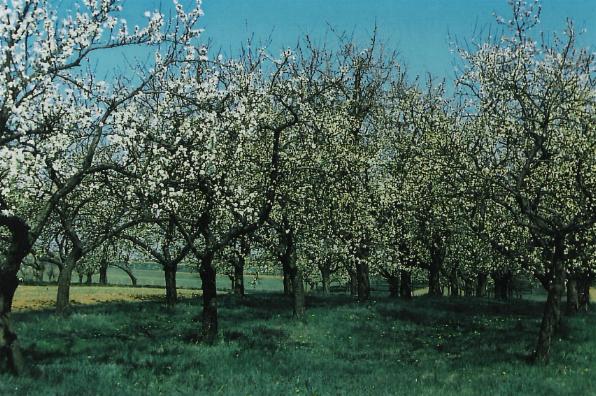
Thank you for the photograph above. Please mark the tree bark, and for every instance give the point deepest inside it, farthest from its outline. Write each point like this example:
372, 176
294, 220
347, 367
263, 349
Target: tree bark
434, 271
405, 291
63, 296
288, 257
481, 283
325, 279
103, 273
287, 279
434, 279
363, 281
89, 279
394, 283
362, 272
238, 282
469, 287
353, 284
10, 350
552, 308
572, 305
64, 280
171, 291
503, 285
239, 266
298, 292
453, 283
208, 279
18, 248
584, 283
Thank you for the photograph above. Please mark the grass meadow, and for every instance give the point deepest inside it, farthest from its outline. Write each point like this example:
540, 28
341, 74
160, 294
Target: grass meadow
448, 346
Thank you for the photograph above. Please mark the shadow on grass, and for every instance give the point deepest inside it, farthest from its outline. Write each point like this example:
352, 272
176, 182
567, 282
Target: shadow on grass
146, 335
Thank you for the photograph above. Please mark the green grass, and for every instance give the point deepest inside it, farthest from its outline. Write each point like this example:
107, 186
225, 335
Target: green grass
450, 346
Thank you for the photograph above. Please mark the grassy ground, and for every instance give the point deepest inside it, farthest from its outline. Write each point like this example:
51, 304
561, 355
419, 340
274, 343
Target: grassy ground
44, 297
449, 346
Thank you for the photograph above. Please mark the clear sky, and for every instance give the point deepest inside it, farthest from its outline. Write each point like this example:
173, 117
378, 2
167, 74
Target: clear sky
418, 29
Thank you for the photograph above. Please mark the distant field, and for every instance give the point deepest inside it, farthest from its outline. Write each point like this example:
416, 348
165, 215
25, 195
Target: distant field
189, 284
190, 280
44, 297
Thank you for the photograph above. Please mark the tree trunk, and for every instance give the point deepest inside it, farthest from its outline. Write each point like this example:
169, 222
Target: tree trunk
288, 257
64, 279
353, 284
10, 350
436, 263
103, 273
362, 271
63, 296
80, 278
393, 282
170, 278
434, 279
363, 280
238, 283
287, 279
325, 279
89, 279
469, 287
18, 248
503, 285
209, 319
405, 291
39, 274
481, 283
298, 292
552, 308
584, 283
126, 268
572, 305
453, 283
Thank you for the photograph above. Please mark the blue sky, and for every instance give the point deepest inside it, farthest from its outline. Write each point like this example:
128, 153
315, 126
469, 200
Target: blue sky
418, 29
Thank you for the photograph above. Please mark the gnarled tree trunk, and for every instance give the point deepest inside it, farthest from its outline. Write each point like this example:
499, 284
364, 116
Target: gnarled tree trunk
18, 248
10, 351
